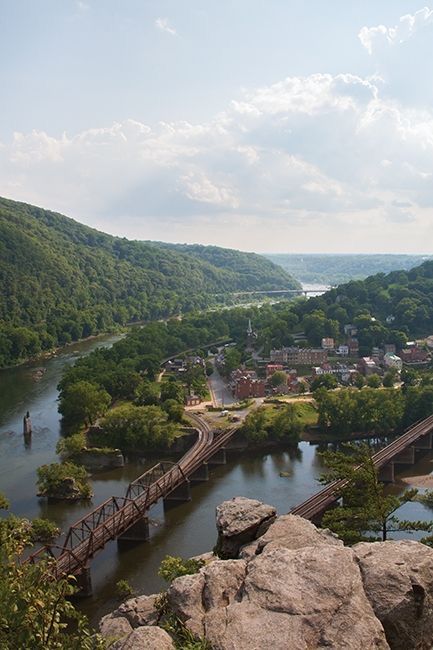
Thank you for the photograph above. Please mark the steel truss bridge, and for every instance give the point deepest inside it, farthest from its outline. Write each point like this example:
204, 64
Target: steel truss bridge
126, 518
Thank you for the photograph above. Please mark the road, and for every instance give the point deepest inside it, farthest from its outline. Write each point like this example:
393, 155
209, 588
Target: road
220, 392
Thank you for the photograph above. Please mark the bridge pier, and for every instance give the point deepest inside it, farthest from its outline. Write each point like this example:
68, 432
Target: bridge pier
405, 457
424, 443
201, 474
138, 532
386, 473
181, 493
219, 457
84, 582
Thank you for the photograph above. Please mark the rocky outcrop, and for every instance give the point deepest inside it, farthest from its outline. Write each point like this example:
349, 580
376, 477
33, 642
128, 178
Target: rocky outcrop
292, 585
146, 638
239, 522
97, 460
398, 581
67, 489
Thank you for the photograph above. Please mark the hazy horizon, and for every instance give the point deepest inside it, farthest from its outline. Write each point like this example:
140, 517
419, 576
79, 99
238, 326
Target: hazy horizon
266, 127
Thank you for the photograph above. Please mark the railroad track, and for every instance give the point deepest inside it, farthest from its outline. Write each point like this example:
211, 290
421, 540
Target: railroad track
116, 515
320, 501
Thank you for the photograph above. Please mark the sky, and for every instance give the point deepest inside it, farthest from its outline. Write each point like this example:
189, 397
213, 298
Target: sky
288, 126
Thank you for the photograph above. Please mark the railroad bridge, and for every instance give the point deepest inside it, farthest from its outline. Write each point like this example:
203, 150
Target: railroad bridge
126, 518
404, 450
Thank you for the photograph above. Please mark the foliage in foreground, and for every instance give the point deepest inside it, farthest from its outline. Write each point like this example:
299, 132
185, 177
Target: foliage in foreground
366, 512
34, 609
172, 567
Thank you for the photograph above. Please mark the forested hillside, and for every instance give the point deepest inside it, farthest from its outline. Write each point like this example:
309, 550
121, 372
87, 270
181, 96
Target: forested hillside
61, 280
335, 269
255, 269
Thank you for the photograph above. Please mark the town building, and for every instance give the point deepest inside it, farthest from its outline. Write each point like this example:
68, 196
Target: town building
294, 356
327, 343
414, 356
192, 400
343, 350
367, 366
245, 387
392, 361
350, 330
273, 367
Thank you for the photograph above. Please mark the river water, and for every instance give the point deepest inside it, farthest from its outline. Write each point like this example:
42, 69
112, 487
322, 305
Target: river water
185, 530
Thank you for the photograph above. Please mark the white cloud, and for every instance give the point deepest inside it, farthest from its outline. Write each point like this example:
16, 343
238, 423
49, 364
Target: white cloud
373, 37
164, 26
82, 6
309, 163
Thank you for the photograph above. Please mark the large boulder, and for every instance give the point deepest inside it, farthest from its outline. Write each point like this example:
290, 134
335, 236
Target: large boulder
303, 599
398, 581
114, 628
240, 521
146, 638
139, 611
292, 532
185, 600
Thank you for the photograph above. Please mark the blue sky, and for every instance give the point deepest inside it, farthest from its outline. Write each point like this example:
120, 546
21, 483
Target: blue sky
266, 125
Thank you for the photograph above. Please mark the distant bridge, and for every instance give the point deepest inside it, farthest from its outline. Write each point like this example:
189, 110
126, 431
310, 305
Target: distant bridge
294, 292
126, 518
402, 451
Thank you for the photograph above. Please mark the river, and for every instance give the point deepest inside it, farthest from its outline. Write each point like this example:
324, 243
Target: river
184, 530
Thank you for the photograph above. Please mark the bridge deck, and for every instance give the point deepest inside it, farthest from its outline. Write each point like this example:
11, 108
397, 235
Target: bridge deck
117, 514
318, 503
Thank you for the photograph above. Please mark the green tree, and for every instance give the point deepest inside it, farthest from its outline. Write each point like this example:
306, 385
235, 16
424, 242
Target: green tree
286, 425
327, 381
35, 610
366, 512
173, 567
147, 393
83, 402
374, 381
129, 427
51, 480
359, 381
172, 390
279, 378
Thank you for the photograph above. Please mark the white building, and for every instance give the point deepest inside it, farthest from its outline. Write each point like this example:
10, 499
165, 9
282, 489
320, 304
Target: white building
393, 361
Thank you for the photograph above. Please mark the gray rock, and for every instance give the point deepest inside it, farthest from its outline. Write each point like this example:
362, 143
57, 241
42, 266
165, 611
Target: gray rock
240, 521
398, 581
139, 611
291, 531
113, 628
222, 582
147, 638
303, 599
185, 600
94, 459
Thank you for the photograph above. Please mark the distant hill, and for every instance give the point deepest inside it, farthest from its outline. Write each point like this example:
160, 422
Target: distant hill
335, 269
61, 281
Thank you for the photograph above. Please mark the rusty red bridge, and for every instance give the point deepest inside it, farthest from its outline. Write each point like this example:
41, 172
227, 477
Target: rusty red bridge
126, 518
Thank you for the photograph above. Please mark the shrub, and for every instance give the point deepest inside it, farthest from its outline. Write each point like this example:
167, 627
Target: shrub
51, 479
172, 567
43, 530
